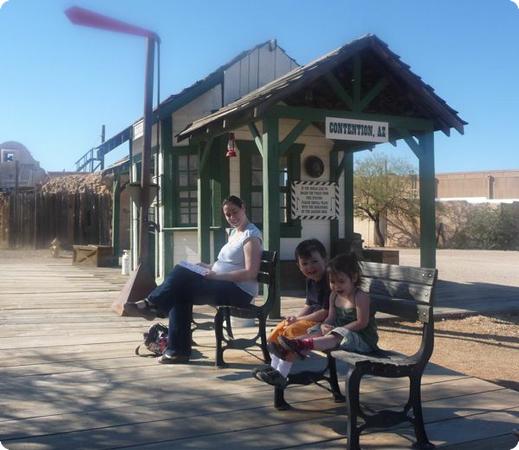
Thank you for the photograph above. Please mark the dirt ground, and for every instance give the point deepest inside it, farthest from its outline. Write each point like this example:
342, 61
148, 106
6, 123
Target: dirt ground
485, 347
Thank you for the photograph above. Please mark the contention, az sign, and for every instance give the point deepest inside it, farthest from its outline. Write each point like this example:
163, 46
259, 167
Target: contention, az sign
356, 130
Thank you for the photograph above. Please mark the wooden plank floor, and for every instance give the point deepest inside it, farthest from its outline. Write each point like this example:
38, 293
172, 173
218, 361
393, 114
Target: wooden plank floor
70, 380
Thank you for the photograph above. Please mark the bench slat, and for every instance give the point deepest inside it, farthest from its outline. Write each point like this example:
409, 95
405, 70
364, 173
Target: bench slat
406, 309
410, 291
419, 275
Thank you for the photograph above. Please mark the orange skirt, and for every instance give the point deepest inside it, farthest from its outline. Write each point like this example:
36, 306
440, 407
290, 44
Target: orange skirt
291, 331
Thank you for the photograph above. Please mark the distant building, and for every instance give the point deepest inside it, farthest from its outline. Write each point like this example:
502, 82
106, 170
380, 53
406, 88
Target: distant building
17, 166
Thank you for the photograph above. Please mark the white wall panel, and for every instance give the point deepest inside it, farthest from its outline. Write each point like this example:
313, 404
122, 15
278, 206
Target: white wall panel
200, 107
283, 63
256, 69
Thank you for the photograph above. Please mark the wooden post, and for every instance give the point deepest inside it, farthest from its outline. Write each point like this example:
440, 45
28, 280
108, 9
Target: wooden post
348, 196
219, 168
427, 201
116, 211
271, 212
204, 203
166, 186
334, 177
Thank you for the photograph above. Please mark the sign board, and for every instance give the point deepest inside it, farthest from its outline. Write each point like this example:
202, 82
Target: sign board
315, 200
356, 130
138, 129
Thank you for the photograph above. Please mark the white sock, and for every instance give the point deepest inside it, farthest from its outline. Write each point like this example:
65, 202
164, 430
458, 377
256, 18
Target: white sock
274, 361
284, 367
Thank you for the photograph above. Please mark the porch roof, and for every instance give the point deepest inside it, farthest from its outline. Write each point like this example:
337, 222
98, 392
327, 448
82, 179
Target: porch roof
404, 93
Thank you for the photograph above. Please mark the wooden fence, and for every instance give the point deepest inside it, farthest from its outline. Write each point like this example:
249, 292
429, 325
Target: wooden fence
34, 219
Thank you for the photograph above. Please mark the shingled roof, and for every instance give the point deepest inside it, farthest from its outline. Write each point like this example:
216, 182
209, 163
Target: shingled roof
405, 93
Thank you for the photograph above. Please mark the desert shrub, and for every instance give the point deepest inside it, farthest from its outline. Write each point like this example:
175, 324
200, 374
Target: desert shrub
488, 227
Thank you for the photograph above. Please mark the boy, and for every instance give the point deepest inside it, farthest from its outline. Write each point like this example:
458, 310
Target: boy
310, 257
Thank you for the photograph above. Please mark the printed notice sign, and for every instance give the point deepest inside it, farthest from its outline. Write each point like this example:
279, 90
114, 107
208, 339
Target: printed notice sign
315, 200
356, 130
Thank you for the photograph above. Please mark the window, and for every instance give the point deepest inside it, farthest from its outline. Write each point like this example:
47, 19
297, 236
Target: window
186, 175
8, 156
251, 173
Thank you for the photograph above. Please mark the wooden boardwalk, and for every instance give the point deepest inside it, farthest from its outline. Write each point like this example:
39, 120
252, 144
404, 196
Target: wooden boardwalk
70, 380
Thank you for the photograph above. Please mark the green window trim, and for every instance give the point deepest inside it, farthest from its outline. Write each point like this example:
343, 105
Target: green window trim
251, 185
184, 189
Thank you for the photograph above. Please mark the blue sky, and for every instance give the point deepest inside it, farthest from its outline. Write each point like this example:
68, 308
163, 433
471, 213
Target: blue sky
59, 82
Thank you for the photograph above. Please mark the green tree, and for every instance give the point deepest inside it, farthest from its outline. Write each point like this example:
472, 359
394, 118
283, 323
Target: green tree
384, 186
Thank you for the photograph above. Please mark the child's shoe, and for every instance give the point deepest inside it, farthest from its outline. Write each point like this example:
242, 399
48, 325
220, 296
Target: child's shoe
257, 370
292, 345
275, 349
272, 377
141, 308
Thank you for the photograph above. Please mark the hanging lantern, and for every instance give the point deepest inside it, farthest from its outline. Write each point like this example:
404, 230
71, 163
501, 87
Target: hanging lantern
231, 146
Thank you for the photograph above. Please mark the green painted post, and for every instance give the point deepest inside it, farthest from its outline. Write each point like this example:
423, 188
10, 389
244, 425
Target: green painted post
348, 196
166, 139
204, 203
334, 223
116, 214
427, 201
271, 212
219, 168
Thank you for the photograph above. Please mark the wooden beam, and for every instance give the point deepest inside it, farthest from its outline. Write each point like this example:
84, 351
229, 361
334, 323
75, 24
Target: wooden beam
292, 136
357, 82
373, 93
319, 115
338, 88
411, 142
205, 150
256, 136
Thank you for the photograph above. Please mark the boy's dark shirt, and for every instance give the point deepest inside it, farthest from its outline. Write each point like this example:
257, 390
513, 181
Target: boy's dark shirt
317, 294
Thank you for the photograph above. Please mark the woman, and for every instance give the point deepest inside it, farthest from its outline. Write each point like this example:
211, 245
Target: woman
231, 280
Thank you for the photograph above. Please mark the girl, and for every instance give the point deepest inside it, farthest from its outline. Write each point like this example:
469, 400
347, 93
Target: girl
349, 325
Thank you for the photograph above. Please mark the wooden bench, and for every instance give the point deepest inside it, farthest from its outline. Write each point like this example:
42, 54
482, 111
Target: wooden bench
404, 292
267, 277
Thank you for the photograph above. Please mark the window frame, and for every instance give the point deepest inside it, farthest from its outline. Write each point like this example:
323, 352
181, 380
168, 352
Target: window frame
292, 227
190, 152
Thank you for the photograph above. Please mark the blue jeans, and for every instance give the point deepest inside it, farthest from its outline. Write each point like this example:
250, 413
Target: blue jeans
181, 290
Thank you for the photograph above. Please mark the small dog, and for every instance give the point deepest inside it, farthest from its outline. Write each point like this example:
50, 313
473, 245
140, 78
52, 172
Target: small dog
55, 248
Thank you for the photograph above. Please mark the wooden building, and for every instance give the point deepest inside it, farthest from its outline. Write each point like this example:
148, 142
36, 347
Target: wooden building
296, 130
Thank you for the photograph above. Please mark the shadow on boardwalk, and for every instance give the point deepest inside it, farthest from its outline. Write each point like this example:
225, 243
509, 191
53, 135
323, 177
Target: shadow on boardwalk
70, 379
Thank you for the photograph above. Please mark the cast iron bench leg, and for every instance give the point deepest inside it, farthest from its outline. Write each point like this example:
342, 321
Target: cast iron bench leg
228, 326
353, 408
334, 382
218, 330
263, 336
279, 399
422, 442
